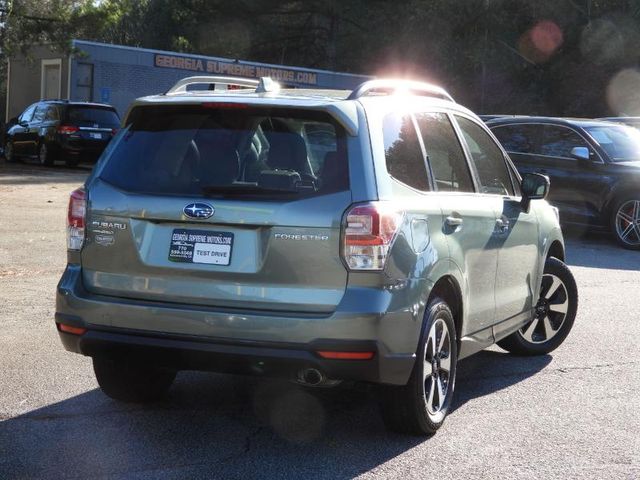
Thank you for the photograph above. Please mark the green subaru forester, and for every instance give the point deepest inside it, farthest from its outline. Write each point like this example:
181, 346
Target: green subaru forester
378, 235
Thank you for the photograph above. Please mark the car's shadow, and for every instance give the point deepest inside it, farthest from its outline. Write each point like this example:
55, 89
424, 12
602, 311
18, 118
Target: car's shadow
228, 427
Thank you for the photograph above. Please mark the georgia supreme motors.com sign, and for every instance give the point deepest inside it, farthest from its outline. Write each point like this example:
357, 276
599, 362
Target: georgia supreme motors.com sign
236, 69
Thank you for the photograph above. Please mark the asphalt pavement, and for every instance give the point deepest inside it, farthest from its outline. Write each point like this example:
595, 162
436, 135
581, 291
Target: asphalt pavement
572, 414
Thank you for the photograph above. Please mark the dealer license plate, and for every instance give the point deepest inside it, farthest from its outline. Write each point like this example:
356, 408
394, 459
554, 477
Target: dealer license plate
201, 246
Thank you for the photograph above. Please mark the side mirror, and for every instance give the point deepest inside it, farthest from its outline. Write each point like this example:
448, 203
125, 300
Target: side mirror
534, 187
580, 153
23, 124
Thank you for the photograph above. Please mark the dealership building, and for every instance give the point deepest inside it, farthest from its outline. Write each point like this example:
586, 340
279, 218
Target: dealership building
115, 74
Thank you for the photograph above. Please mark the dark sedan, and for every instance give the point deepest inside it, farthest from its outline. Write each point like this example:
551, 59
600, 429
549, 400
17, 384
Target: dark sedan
594, 168
61, 130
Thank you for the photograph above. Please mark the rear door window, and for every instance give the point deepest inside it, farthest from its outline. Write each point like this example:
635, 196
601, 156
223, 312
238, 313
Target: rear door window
444, 153
88, 116
403, 153
229, 151
488, 159
518, 138
52, 114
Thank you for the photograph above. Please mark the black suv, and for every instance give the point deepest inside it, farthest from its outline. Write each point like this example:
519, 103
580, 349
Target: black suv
594, 168
61, 130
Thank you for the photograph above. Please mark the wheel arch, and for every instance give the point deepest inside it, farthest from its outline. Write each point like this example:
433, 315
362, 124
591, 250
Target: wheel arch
448, 289
617, 193
556, 250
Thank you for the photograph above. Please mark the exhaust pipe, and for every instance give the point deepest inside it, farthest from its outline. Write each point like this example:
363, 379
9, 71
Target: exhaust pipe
311, 376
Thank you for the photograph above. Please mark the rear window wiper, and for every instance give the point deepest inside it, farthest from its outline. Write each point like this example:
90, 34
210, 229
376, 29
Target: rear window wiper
244, 190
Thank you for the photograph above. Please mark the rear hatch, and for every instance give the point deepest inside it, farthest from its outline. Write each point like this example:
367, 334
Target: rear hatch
222, 205
95, 125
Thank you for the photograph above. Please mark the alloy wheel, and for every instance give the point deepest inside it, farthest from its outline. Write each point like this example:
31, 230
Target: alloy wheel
550, 311
437, 366
627, 222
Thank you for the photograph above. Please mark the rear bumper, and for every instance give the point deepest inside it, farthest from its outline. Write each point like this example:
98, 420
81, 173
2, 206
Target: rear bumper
219, 355
268, 343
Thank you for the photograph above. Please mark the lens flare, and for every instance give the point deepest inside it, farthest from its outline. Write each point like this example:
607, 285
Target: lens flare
541, 41
623, 92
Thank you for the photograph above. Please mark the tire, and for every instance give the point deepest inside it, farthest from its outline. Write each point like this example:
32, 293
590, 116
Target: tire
625, 222
555, 313
416, 408
44, 157
131, 380
9, 156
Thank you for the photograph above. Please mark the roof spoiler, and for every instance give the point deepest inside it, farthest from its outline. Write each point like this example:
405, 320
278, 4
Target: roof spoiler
261, 85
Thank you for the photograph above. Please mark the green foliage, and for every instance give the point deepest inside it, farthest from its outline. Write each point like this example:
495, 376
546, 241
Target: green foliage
501, 56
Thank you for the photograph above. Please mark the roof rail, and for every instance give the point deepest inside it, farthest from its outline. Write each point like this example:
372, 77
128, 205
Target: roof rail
399, 86
263, 85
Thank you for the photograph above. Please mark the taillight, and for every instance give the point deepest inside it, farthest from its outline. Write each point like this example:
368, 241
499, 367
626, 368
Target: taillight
75, 219
369, 231
114, 131
67, 129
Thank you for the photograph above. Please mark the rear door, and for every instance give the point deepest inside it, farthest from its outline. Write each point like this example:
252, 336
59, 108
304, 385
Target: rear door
220, 206
469, 218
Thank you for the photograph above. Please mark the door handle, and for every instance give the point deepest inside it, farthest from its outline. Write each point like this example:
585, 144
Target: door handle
453, 221
502, 225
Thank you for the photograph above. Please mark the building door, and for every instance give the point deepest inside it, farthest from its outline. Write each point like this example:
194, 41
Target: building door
51, 86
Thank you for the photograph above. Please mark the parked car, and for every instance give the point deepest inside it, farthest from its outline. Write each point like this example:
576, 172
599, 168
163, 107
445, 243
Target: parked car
54, 130
206, 239
594, 168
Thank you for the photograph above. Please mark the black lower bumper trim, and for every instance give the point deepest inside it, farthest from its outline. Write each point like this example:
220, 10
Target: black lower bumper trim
258, 358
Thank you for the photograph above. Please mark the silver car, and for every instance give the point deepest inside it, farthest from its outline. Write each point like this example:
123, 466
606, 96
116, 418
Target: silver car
378, 235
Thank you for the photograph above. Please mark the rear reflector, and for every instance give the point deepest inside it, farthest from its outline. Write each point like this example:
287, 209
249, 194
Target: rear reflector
72, 330
346, 355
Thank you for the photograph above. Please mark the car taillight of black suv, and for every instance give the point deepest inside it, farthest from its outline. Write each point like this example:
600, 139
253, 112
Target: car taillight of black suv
59, 130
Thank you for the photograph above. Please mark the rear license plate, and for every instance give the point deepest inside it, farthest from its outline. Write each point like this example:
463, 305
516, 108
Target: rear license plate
201, 246
97, 136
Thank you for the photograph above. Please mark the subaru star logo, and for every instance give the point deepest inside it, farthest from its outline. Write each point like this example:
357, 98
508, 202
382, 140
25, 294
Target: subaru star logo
198, 210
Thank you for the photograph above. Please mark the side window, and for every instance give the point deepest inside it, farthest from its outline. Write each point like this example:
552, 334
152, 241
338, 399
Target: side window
52, 114
27, 115
38, 116
559, 141
444, 153
488, 158
518, 138
405, 161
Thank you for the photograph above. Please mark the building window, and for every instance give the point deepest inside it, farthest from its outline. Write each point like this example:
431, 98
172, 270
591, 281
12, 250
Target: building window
84, 83
51, 79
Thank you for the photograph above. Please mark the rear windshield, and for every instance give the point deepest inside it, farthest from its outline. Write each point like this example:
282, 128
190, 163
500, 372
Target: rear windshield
229, 150
92, 117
